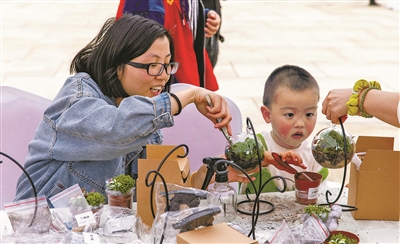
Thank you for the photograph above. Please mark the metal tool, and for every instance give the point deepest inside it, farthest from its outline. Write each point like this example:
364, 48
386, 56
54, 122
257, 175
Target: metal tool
284, 164
223, 129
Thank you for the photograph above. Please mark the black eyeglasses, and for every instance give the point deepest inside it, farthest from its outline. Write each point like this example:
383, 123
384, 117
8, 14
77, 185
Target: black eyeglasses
155, 69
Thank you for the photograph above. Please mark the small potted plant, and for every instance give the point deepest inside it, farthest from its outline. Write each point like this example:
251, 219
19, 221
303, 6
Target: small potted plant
342, 237
95, 200
120, 191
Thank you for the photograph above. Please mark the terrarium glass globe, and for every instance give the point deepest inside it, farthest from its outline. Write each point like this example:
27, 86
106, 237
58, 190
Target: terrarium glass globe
242, 150
328, 148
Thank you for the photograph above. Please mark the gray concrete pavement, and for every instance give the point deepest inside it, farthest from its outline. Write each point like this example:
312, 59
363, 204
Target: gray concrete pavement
338, 42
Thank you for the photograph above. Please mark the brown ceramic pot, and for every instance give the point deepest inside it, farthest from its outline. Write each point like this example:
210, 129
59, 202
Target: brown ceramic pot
117, 199
306, 190
345, 233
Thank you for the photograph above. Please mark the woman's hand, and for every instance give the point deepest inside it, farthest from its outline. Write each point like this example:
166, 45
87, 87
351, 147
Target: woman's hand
212, 24
334, 105
219, 113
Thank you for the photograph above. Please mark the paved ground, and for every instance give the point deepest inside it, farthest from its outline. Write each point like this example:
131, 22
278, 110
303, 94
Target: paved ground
339, 42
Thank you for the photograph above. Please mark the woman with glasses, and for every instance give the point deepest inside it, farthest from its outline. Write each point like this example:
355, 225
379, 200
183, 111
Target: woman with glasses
115, 102
189, 23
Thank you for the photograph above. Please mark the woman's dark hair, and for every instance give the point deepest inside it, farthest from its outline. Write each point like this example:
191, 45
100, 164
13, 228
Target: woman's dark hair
293, 77
118, 42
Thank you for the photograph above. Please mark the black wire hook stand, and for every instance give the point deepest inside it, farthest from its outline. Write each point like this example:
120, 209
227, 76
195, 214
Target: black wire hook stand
30, 181
255, 210
345, 208
152, 183
256, 202
157, 173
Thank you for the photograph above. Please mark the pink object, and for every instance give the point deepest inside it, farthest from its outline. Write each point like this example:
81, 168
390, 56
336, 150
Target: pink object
21, 113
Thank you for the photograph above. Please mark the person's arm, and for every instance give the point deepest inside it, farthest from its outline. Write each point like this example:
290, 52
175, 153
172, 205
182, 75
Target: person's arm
196, 95
380, 104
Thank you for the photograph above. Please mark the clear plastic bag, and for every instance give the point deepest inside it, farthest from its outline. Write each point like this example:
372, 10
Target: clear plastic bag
313, 230
188, 210
122, 225
27, 217
72, 207
179, 197
168, 224
283, 235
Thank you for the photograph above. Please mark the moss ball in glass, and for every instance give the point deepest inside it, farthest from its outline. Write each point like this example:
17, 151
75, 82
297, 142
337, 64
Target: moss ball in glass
243, 151
328, 148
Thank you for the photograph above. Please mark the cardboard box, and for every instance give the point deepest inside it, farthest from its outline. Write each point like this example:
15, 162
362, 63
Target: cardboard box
374, 189
219, 233
175, 170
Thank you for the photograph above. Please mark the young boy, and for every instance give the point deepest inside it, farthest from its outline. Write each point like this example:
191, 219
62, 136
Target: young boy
290, 102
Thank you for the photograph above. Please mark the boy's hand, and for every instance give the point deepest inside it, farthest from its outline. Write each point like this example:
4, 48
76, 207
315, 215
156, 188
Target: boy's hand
293, 158
290, 157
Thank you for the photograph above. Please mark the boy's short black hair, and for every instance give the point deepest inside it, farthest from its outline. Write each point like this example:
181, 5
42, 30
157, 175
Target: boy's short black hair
291, 76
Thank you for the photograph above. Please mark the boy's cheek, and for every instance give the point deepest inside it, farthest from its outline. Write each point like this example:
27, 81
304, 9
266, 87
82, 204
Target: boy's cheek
284, 129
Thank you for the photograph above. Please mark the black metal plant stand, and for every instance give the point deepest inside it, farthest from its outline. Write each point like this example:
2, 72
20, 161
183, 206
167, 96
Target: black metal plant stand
345, 208
211, 162
30, 181
211, 169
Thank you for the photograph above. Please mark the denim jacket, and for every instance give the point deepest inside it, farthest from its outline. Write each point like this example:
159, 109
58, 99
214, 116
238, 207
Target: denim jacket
86, 138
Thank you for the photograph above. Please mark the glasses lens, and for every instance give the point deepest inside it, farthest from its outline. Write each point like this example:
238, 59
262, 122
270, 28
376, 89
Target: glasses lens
172, 68
155, 69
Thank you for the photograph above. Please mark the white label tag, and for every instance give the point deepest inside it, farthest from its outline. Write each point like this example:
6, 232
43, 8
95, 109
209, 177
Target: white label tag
85, 219
313, 193
90, 237
6, 227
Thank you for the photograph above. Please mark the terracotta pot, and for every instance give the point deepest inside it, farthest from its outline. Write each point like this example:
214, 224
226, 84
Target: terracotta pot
306, 190
97, 208
345, 233
117, 199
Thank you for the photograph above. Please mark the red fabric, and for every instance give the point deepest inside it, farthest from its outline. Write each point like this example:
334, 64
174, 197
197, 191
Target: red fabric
182, 36
210, 80
120, 8
184, 52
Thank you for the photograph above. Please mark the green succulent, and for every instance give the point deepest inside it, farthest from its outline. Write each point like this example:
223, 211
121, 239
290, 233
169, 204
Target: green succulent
341, 239
321, 211
122, 183
95, 199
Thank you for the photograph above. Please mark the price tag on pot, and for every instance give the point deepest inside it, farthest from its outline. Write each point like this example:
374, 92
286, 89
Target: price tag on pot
313, 193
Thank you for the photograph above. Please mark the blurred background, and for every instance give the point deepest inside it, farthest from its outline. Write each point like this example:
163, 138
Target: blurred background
338, 42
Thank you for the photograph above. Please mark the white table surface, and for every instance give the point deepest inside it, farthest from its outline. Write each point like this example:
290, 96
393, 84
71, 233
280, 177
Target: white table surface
369, 231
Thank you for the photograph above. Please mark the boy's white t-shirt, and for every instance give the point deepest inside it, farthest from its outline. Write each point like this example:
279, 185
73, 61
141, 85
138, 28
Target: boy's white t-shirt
304, 150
